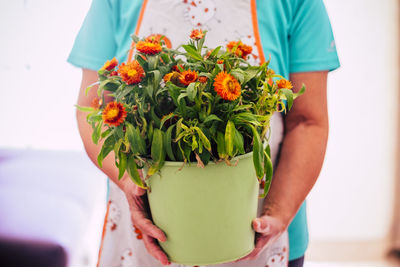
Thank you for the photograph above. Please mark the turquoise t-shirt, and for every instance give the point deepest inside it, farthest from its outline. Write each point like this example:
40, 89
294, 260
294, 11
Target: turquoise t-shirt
296, 33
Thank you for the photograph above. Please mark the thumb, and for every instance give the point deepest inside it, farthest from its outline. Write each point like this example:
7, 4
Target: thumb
261, 225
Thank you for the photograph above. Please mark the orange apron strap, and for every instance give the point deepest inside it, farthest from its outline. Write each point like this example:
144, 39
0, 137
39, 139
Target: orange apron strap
103, 233
256, 32
138, 24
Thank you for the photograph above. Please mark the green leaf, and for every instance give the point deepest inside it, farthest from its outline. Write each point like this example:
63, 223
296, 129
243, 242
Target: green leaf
239, 142
182, 95
121, 164
203, 138
268, 168
109, 85
191, 91
289, 97
154, 117
137, 143
238, 75
192, 52
168, 143
221, 145
133, 172
229, 137
106, 133
165, 118
107, 147
165, 58
246, 118
215, 51
242, 107
156, 78
258, 153
195, 144
84, 109
96, 132
141, 60
152, 62
212, 117
90, 87
302, 91
157, 152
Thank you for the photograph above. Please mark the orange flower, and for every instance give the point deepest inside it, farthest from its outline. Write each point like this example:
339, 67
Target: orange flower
114, 73
283, 83
196, 34
156, 39
114, 114
168, 76
131, 72
110, 64
187, 77
270, 72
220, 61
96, 103
242, 50
148, 48
203, 79
227, 86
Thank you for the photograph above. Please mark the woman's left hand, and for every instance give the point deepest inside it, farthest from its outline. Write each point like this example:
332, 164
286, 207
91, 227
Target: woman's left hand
268, 229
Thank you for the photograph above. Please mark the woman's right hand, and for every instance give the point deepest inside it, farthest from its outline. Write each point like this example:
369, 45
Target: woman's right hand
140, 215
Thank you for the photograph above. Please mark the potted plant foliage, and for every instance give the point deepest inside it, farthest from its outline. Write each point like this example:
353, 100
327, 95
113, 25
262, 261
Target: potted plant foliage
196, 121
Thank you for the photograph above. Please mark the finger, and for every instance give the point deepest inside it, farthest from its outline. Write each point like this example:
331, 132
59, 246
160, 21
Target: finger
261, 225
260, 245
154, 250
147, 227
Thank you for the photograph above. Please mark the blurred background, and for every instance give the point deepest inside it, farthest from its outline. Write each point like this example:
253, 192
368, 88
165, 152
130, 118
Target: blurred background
353, 210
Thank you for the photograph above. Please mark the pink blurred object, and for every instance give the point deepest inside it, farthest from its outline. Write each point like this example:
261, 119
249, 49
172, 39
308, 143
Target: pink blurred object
47, 200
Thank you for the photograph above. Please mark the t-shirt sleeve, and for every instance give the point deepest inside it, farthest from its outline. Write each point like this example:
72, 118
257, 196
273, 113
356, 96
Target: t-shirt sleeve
95, 42
311, 42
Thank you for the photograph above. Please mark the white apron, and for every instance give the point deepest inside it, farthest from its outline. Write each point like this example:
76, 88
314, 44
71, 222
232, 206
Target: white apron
225, 20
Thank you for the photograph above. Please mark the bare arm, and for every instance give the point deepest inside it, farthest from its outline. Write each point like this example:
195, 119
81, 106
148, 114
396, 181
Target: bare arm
303, 149
302, 155
85, 129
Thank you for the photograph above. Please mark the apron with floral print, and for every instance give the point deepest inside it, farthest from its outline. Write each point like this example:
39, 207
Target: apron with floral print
122, 244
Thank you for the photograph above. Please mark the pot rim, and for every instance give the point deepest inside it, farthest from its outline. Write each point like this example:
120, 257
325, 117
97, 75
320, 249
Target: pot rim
180, 163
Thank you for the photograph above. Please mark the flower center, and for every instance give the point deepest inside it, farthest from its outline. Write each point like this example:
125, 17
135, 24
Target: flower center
132, 72
112, 113
230, 85
189, 77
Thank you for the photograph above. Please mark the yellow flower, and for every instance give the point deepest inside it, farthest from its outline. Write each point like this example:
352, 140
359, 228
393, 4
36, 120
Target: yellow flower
110, 64
167, 77
148, 48
196, 34
131, 72
187, 77
242, 50
114, 114
283, 83
227, 86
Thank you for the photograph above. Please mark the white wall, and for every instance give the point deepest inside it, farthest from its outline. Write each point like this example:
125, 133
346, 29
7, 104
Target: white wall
352, 199
39, 88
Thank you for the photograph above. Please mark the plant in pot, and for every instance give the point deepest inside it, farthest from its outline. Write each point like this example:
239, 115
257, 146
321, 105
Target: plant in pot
196, 121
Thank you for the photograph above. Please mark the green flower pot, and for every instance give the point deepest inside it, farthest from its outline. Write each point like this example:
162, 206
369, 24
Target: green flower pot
207, 213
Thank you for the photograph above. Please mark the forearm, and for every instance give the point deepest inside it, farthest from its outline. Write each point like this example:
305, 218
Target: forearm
300, 163
108, 166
